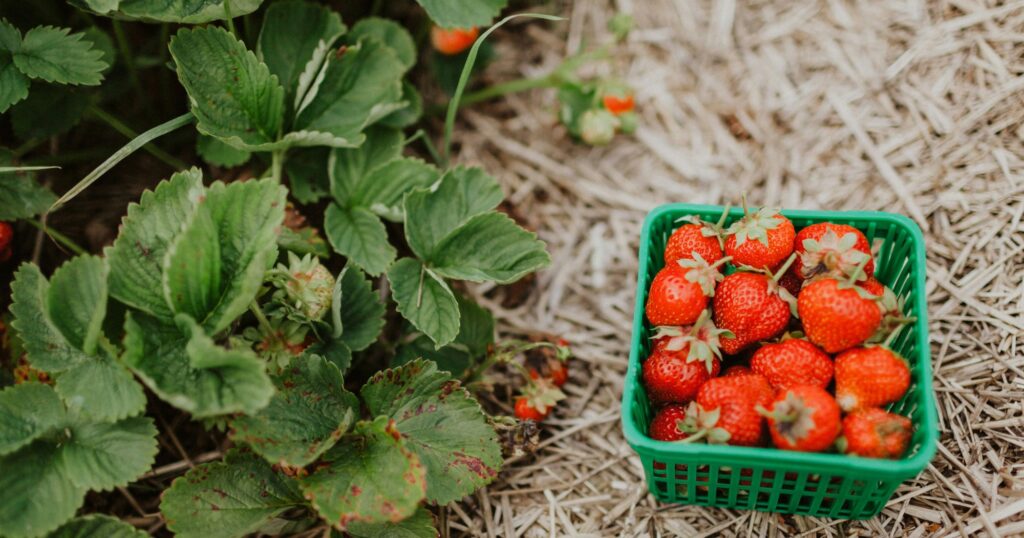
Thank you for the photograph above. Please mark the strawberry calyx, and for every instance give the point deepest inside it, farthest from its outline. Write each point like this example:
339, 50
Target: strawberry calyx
774, 287
542, 394
700, 425
702, 338
701, 273
892, 316
710, 229
833, 254
755, 226
793, 419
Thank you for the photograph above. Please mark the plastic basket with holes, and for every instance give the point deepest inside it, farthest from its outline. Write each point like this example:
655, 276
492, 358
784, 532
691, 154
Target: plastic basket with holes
768, 479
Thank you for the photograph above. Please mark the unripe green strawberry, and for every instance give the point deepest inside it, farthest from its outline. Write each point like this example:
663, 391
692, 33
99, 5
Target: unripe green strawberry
597, 127
792, 362
874, 433
761, 240
307, 286
870, 376
837, 315
804, 418
834, 249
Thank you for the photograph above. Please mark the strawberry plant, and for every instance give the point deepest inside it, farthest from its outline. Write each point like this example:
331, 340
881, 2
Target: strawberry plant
335, 372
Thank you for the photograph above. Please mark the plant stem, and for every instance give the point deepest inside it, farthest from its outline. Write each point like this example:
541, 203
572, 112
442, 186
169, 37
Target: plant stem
122, 154
126, 53
277, 164
228, 20
428, 143
254, 307
57, 236
130, 133
512, 86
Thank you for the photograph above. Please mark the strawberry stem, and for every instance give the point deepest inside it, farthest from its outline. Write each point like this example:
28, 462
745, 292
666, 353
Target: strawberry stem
892, 336
851, 279
785, 267
743, 199
725, 215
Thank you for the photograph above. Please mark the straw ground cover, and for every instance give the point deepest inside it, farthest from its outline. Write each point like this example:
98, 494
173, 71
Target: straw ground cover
906, 106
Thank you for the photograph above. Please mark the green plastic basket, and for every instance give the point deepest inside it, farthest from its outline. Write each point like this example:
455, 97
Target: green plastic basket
767, 479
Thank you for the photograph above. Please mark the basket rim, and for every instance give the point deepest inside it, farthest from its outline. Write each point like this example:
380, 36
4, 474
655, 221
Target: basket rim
831, 463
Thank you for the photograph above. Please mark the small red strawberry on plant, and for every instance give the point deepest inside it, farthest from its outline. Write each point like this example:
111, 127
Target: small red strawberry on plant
552, 369
538, 398
453, 41
696, 238
682, 361
753, 307
833, 249
837, 314
680, 291
6, 238
791, 362
618, 100
730, 405
762, 240
804, 418
875, 433
870, 376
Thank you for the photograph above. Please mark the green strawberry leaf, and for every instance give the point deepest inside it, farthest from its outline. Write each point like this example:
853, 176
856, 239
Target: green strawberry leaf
461, 14
418, 525
50, 110
182, 365
96, 526
35, 494
180, 11
451, 358
441, 423
218, 153
349, 168
383, 188
192, 267
306, 169
357, 87
307, 416
104, 455
388, 33
56, 55
425, 299
20, 196
13, 83
245, 112
360, 312
489, 247
369, 476
476, 327
228, 499
359, 235
137, 255
462, 194
292, 32
305, 240
60, 323
101, 41
400, 119
27, 411
334, 351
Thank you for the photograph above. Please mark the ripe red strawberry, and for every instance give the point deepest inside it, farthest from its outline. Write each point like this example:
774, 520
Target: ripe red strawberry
731, 404
792, 362
694, 238
835, 249
870, 377
761, 240
618, 103
753, 307
874, 433
837, 315
538, 399
666, 422
454, 40
6, 235
735, 370
680, 291
681, 362
803, 418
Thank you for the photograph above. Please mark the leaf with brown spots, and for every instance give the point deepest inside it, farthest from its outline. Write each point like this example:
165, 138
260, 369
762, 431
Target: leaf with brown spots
442, 423
232, 498
369, 477
309, 413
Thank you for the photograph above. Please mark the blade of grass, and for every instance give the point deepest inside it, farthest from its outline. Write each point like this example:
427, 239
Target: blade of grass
115, 123
121, 154
467, 69
8, 169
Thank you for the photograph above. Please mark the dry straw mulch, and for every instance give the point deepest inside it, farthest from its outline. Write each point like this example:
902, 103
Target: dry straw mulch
909, 106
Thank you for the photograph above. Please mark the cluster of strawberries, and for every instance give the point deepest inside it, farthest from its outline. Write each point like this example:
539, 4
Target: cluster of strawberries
820, 281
